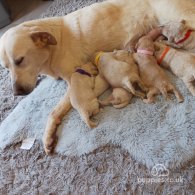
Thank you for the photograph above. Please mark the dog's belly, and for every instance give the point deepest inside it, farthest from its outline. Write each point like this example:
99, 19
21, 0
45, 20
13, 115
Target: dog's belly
110, 25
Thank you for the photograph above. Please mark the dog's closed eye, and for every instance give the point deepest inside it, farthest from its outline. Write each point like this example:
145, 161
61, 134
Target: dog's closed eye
18, 61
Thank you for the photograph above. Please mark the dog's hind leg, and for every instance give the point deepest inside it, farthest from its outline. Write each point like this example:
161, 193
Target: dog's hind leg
54, 120
85, 115
164, 90
129, 87
141, 84
150, 96
174, 90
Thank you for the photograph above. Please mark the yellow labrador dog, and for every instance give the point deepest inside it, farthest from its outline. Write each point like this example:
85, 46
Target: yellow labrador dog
55, 46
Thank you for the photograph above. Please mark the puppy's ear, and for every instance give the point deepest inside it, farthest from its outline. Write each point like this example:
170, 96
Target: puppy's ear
183, 22
43, 39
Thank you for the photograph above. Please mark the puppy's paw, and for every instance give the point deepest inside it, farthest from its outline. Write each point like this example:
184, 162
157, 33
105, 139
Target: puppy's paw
92, 124
50, 138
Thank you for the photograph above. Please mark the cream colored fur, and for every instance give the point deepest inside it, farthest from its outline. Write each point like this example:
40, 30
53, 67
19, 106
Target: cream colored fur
119, 98
118, 68
182, 64
82, 95
175, 31
103, 26
152, 74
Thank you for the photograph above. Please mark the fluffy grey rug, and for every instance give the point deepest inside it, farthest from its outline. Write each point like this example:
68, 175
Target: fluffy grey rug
159, 133
107, 170
152, 134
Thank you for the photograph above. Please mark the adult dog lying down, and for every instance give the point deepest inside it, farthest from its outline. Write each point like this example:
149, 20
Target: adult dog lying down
55, 46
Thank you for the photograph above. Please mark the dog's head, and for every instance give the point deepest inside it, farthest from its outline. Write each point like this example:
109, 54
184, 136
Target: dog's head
145, 42
24, 52
174, 30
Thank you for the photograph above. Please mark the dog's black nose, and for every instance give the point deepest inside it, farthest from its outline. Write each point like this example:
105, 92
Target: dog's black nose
20, 91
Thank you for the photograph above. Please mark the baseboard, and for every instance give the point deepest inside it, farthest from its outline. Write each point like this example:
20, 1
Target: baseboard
5, 22
4, 17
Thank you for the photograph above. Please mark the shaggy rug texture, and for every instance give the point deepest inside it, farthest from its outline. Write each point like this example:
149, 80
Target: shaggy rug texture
107, 170
162, 133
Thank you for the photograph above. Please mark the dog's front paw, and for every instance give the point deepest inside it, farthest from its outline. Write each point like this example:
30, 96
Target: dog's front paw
50, 144
50, 138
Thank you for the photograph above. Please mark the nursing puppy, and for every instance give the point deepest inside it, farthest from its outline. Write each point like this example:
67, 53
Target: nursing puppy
82, 95
120, 71
152, 75
119, 98
179, 35
182, 64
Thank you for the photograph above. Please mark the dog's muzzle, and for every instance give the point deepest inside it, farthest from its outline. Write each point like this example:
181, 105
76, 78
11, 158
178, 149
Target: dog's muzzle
19, 90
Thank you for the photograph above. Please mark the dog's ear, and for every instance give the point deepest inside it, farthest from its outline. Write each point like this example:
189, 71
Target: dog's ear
183, 22
43, 39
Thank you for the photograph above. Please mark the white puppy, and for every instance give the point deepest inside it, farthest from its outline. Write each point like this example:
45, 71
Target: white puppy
179, 35
182, 64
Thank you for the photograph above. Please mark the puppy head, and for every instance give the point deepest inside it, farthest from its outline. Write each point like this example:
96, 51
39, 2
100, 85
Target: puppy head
174, 31
24, 53
145, 42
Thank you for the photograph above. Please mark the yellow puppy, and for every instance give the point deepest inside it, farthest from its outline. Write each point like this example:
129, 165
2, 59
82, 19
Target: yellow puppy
119, 98
120, 71
82, 96
151, 73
